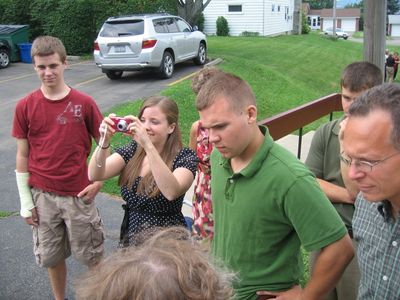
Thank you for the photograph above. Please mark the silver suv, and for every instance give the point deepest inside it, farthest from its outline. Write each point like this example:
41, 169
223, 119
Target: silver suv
156, 41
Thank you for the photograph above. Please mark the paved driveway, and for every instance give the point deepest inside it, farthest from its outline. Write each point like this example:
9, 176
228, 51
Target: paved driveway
20, 278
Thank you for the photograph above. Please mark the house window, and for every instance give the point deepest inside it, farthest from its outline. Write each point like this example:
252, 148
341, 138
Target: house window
279, 8
286, 12
309, 21
273, 8
319, 21
235, 8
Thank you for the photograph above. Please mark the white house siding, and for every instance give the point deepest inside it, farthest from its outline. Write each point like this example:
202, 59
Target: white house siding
256, 16
347, 24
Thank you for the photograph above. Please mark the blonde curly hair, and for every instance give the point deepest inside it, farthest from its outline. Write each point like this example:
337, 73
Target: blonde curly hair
168, 265
202, 76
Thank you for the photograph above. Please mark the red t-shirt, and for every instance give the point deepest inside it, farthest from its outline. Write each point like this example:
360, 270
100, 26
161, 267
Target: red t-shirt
59, 135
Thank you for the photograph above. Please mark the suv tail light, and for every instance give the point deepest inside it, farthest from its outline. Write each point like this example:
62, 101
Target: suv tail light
148, 44
96, 46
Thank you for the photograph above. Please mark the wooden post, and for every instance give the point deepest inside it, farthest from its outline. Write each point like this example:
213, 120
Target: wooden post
334, 19
375, 32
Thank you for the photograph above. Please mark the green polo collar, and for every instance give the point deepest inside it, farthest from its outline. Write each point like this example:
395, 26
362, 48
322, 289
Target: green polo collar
336, 128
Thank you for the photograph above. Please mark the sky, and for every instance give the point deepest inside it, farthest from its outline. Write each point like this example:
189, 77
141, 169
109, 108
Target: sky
343, 3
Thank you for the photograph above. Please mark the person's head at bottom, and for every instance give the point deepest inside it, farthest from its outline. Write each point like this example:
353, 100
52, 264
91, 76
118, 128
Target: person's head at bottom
167, 265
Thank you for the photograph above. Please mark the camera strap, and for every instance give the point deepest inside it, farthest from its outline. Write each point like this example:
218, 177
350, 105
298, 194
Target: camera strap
103, 132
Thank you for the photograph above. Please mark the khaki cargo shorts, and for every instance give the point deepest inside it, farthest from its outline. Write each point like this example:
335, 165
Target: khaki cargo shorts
66, 224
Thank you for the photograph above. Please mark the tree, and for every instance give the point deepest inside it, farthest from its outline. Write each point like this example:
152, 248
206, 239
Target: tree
190, 10
319, 4
393, 7
359, 4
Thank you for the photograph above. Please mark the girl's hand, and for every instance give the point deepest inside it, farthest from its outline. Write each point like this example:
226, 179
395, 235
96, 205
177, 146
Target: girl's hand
138, 132
106, 129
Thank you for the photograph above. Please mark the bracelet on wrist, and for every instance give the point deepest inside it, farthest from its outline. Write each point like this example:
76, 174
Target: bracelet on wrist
105, 147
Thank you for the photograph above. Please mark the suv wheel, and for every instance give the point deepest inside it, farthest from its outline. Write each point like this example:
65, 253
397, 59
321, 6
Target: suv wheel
114, 74
4, 58
201, 55
167, 65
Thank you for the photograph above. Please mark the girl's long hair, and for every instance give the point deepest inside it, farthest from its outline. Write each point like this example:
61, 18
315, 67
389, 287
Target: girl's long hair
147, 185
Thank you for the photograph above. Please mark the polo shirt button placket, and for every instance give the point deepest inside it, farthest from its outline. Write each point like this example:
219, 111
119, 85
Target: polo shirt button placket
229, 189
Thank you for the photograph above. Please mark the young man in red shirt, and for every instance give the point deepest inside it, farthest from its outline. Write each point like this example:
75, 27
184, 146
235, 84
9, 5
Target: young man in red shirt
54, 127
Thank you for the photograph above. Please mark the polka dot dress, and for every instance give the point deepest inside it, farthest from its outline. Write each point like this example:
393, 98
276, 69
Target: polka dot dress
145, 212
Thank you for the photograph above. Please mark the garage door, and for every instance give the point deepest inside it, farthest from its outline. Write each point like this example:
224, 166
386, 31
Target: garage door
395, 29
348, 25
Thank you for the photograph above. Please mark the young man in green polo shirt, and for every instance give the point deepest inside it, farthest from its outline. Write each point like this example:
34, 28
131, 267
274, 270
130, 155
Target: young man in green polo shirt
266, 203
324, 161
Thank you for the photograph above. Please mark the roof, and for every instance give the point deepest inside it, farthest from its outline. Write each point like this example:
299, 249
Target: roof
315, 12
394, 19
8, 29
341, 13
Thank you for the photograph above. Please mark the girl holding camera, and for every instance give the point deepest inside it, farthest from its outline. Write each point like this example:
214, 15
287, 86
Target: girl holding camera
154, 170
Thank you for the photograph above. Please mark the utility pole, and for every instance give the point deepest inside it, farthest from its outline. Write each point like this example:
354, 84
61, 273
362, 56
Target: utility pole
334, 19
375, 32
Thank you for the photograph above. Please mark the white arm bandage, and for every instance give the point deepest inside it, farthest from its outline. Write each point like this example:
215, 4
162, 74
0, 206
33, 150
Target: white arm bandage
25, 194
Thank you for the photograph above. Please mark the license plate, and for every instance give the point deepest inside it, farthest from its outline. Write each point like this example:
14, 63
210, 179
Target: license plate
119, 49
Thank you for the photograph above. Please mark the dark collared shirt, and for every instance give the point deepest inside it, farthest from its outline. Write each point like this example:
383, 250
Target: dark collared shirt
378, 235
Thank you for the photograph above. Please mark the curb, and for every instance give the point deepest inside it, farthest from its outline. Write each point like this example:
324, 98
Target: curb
214, 62
73, 58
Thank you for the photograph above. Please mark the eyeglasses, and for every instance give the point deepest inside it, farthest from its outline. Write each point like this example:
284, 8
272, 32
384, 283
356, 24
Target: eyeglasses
363, 165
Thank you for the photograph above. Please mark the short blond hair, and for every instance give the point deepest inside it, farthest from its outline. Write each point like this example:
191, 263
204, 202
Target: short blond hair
48, 45
168, 265
232, 88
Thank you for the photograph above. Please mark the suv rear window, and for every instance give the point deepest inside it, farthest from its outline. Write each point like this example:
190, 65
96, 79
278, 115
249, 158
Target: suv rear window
122, 28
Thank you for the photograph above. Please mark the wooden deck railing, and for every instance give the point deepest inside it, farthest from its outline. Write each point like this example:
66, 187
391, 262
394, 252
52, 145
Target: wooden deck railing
296, 118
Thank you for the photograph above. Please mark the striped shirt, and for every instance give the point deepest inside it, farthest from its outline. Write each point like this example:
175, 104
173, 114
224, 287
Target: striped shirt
378, 235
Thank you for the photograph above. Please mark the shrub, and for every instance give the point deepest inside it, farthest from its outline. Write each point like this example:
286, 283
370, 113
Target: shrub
305, 29
222, 26
200, 22
250, 33
331, 37
75, 22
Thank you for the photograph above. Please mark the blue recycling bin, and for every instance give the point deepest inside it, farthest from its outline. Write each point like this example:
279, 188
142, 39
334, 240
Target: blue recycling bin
25, 52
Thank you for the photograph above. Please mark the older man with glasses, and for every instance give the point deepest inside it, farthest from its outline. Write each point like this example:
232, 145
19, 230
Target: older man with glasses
370, 160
